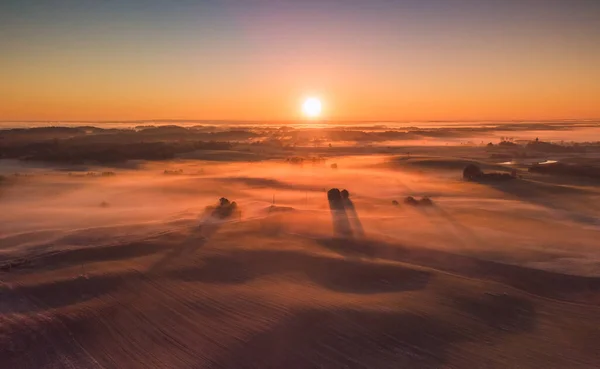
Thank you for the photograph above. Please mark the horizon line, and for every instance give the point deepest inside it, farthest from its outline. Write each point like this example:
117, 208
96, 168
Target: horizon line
283, 121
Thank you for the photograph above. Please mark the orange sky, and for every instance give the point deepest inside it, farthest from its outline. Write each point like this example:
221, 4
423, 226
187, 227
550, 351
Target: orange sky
258, 64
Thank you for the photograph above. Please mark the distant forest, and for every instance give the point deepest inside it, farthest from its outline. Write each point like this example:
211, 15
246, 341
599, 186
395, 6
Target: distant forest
88, 144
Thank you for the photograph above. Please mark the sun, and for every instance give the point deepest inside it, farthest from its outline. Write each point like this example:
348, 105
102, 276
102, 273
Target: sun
311, 107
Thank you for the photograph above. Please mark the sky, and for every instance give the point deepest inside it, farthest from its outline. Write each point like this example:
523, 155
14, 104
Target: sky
376, 60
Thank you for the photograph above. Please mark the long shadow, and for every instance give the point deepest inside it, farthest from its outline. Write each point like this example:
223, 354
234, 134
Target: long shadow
568, 199
345, 219
195, 240
355, 222
460, 232
540, 282
339, 218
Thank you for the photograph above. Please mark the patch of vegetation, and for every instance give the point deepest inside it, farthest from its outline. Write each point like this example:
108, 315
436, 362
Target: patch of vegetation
473, 173
298, 160
225, 209
424, 201
550, 147
74, 152
334, 195
577, 170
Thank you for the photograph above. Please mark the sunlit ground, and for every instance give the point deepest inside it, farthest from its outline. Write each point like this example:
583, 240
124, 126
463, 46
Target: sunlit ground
133, 270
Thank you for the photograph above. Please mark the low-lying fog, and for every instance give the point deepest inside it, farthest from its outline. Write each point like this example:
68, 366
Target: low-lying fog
529, 222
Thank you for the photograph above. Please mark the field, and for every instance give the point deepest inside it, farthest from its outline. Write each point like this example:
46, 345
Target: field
120, 262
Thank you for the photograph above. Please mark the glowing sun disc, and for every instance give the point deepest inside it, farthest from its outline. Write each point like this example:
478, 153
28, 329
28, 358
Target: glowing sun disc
312, 107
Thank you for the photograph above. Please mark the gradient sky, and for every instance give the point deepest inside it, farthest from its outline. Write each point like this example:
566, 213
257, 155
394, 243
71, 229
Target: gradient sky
411, 60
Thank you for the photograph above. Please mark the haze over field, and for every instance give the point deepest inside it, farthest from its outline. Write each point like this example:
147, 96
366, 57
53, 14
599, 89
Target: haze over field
112, 262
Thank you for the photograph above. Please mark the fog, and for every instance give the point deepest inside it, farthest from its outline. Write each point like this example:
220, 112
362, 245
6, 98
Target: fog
153, 247
552, 227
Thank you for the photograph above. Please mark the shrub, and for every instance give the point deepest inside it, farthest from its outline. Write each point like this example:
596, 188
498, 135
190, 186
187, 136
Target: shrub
409, 200
225, 209
472, 172
334, 194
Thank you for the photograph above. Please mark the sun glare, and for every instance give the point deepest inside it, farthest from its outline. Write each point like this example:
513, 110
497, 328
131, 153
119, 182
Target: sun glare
311, 107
